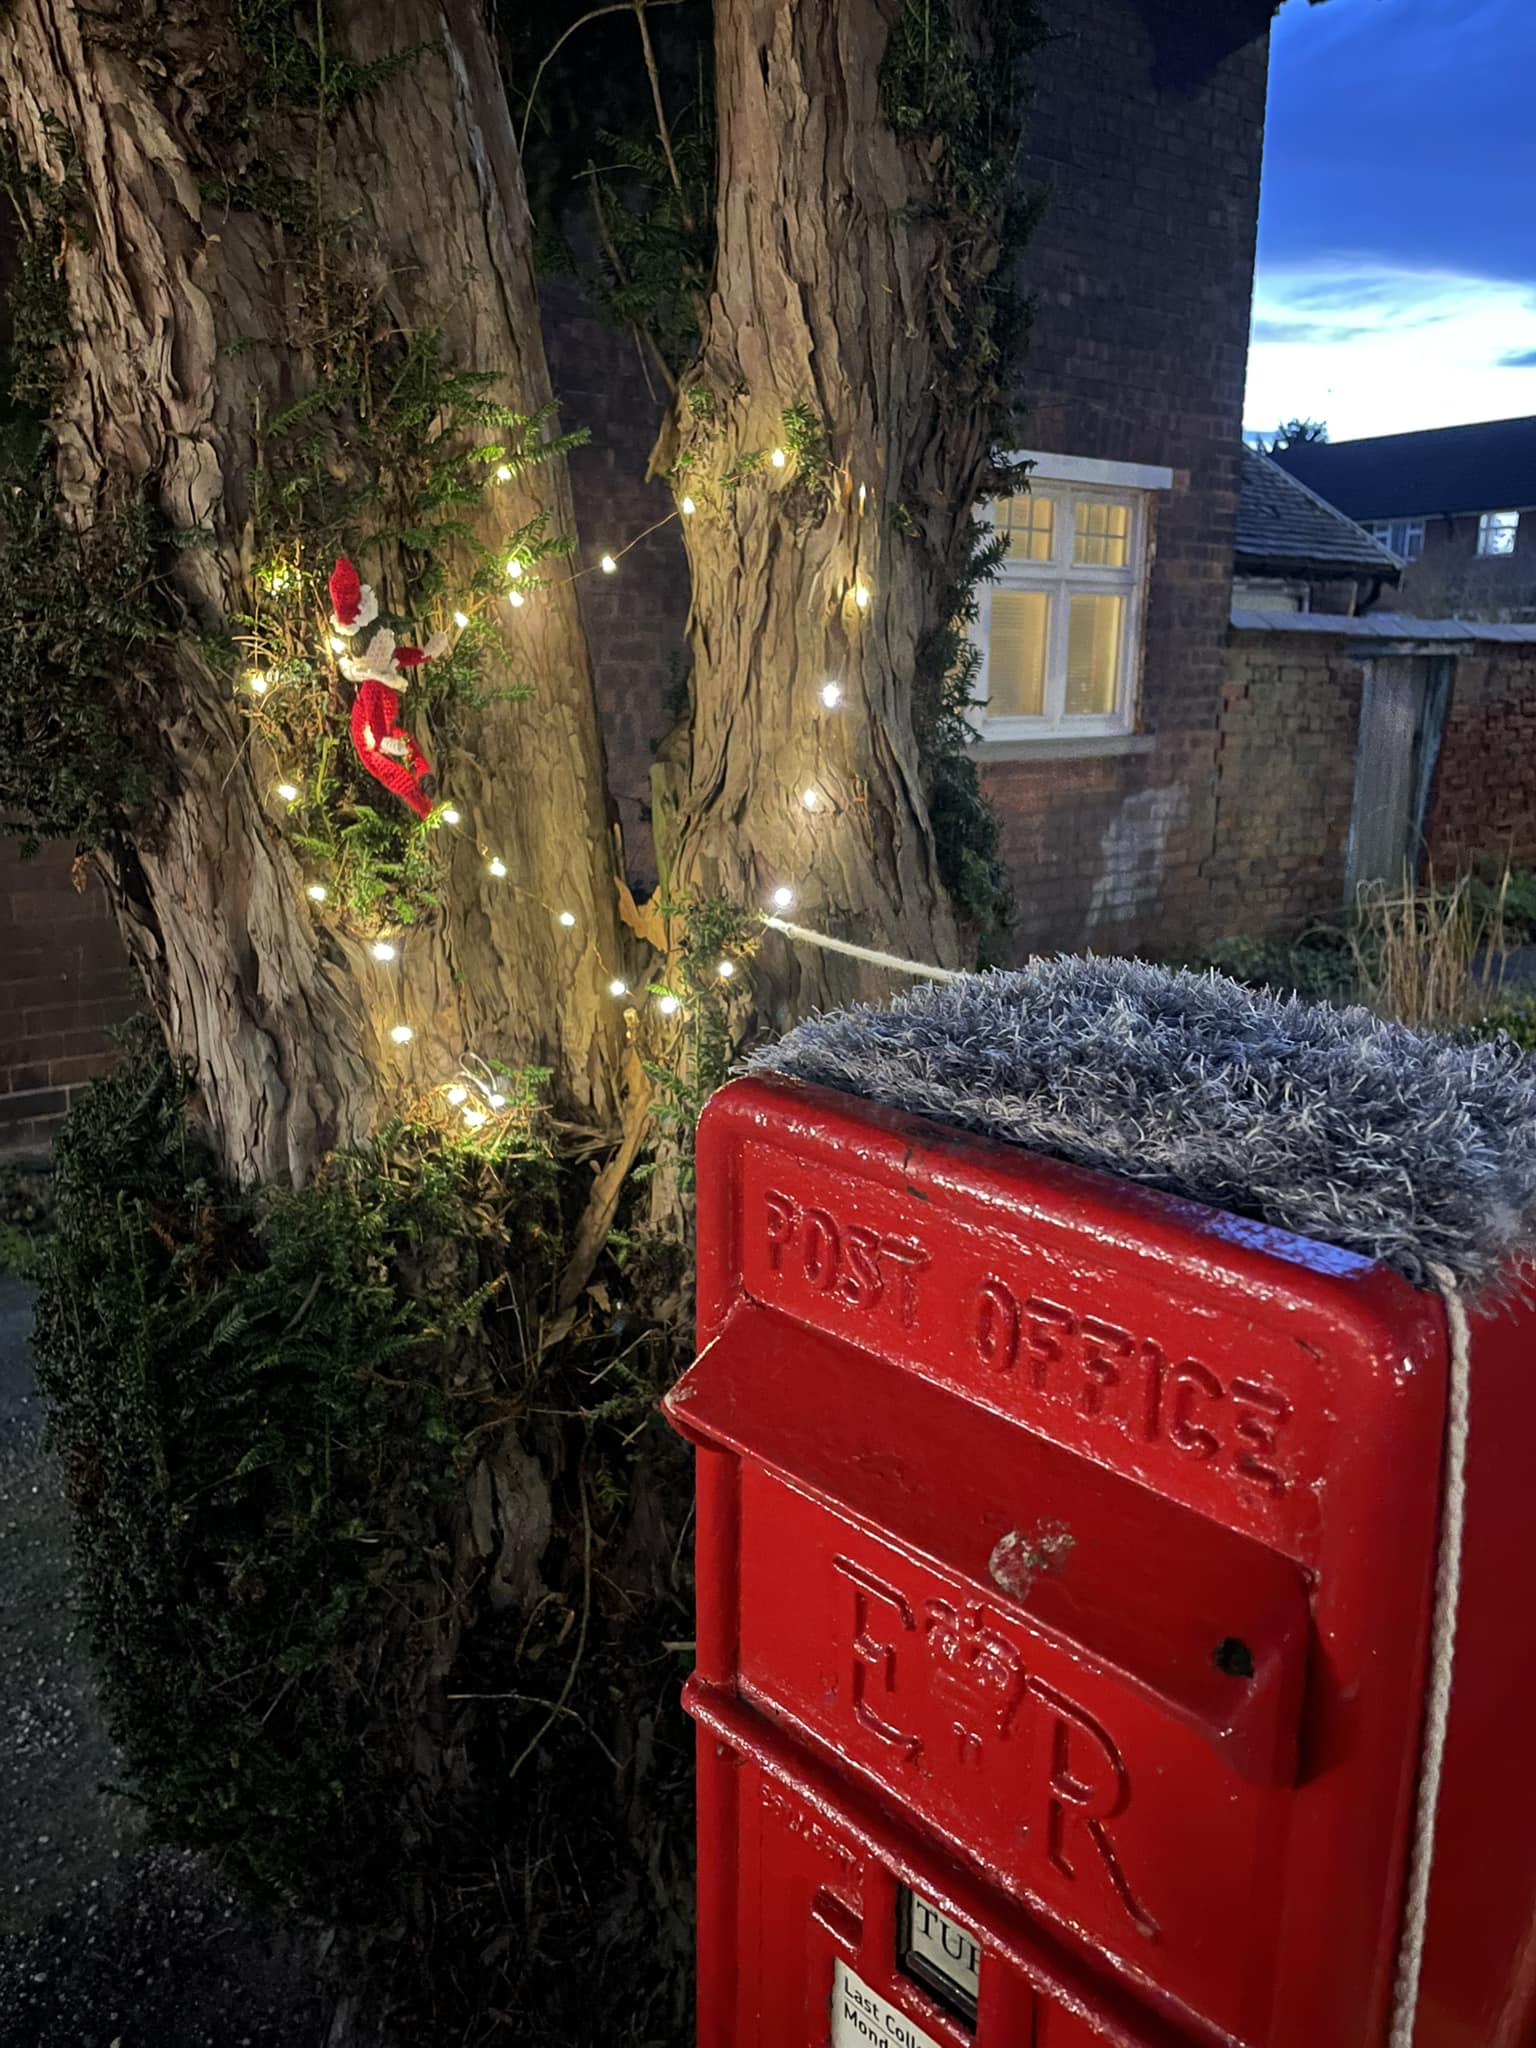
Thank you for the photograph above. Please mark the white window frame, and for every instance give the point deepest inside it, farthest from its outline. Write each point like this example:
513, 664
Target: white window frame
1071, 480
1486, 529
1410, 530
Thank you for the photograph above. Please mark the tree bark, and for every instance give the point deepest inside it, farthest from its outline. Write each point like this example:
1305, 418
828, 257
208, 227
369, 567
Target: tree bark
829, 294
182, 311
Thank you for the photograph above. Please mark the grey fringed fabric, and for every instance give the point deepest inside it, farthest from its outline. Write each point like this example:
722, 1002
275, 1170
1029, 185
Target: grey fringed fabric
1407, 1148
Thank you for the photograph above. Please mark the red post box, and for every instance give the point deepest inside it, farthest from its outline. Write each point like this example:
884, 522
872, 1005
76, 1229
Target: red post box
1065, 1568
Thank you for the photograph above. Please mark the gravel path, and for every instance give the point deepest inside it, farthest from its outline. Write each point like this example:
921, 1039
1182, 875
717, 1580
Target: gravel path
105, 1941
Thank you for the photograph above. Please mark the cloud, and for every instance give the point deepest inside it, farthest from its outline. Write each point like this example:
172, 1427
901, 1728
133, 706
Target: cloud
1374, 348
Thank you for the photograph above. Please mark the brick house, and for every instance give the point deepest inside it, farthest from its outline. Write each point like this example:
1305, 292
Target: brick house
1458, 504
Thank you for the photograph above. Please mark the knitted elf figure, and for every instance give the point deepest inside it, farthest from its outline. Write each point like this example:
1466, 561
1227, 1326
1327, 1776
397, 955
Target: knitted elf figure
385, 748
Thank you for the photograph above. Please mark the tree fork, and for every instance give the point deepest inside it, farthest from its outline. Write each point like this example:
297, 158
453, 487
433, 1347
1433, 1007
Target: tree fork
181, 313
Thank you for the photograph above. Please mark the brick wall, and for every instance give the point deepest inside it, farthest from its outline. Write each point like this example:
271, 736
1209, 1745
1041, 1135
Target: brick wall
1141, 272
1451, 580
63, 984
1483, 802
1290, 719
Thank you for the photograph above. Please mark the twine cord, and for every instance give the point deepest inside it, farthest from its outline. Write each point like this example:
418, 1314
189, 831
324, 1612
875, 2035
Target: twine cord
1442, 1657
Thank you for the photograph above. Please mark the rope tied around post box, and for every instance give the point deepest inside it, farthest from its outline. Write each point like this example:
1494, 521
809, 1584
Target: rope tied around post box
1442, 1659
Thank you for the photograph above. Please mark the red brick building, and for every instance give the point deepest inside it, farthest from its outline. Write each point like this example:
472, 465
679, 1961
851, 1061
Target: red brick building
1458, 504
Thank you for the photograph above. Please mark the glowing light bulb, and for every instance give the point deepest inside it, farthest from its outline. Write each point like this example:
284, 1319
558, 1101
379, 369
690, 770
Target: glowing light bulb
778, 458
497, 1101
497, 867
451, 816
810, 799
861, 501
689, 508
567, 918
608, 565
402, 1034
516, 599
382, 950
783, 899
831, 695
669, 1006
257, 683
457, 1096
725, 969
288, 791
475, 1118
461, 620
514, 567
317, 892
503, 472
337, 644
861, 597
617, 987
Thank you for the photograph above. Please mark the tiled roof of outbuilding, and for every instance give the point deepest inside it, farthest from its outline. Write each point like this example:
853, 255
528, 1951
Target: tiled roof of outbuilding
1285, 529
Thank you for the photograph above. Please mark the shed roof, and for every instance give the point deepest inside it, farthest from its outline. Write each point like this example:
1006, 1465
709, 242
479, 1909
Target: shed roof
1488, 467
1285, 528
1456, 633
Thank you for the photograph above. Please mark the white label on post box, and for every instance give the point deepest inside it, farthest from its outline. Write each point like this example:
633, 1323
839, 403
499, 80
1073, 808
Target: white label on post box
942, 1949
861, 2016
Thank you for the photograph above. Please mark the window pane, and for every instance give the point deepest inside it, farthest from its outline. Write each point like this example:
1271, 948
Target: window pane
1101, 534
1016, 654
1496, 533
1030, 524
1093, 655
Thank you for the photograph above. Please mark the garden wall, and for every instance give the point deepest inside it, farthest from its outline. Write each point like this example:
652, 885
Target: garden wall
1484, 799
64, 983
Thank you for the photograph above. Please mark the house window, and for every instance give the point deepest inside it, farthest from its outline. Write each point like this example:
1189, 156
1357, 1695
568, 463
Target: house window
1405, 537
1060, 628
1496, 533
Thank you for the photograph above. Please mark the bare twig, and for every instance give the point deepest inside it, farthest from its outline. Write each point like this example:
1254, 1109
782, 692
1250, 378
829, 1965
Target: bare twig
618, 7
661, 116
559, 1705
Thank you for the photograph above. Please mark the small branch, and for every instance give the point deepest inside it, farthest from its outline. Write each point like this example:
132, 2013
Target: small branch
602, 1203
559, 1705
661, 116
618, 7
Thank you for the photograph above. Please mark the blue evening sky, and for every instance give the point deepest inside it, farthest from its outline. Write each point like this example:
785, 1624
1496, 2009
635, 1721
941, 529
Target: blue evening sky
1396, 279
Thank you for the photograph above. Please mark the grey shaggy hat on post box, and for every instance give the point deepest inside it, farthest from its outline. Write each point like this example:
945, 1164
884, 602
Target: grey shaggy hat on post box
1408, 1148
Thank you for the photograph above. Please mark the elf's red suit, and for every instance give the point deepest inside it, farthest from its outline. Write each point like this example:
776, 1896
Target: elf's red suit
386, 749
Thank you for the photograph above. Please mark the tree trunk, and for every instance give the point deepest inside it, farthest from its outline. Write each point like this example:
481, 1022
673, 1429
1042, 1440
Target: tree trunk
833, 455
183, 312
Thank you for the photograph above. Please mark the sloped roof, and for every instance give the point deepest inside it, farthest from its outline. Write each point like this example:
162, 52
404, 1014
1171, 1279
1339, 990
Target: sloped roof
1489, 467
1283, 528
1456, 633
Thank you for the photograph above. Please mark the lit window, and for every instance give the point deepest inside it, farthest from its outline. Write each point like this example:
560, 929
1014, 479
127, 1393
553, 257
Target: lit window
1405, 537
1496, 533
1060, 625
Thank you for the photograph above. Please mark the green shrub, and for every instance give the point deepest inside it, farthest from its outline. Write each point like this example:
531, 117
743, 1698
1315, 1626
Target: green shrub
262, 1435
273, 1410
1320, 964
1514, 1016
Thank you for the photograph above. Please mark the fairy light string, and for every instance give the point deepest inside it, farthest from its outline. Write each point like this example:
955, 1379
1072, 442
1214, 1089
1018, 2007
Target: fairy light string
478, 1094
